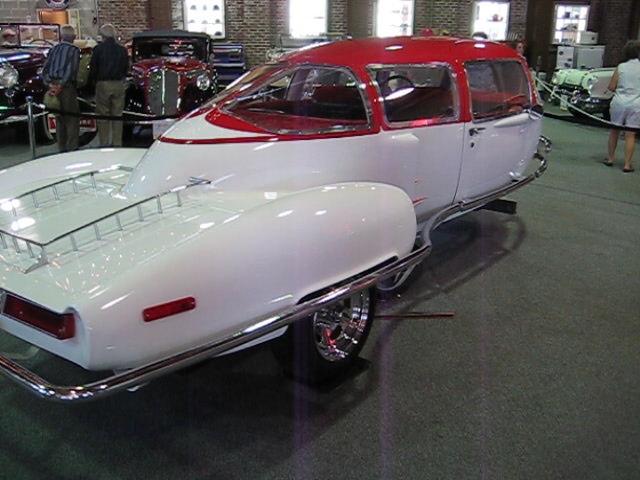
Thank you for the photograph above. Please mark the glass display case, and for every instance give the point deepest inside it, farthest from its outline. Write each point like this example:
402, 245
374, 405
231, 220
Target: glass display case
491, 18
205, 16
568, 21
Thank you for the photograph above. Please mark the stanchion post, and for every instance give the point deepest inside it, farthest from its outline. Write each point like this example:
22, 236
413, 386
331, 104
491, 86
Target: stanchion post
32, 130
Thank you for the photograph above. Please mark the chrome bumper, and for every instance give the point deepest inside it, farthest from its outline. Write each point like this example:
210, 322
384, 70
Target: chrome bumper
137, 376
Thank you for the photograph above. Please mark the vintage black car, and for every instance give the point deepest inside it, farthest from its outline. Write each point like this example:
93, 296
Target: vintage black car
171, 73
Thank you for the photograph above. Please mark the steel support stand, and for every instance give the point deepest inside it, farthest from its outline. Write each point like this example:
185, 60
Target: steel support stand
32, 131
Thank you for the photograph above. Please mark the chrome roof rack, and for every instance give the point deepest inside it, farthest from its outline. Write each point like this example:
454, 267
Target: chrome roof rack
38, 250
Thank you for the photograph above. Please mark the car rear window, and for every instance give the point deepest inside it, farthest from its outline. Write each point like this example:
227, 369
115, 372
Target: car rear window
497, 88
304, 100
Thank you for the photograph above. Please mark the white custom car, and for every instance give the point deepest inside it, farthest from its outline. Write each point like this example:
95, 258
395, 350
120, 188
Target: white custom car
271, 213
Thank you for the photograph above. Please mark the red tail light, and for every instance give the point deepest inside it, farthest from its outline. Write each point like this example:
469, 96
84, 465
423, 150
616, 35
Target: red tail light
61, 326
167, 309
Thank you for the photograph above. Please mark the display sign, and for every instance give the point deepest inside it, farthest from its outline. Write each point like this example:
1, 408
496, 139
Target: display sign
205, 16
57, 4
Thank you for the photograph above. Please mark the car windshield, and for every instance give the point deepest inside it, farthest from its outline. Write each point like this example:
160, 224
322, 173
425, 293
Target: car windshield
169, 47
30, 34
305, 99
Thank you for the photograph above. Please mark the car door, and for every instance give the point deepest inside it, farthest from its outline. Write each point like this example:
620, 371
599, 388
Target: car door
503, 133
423, 134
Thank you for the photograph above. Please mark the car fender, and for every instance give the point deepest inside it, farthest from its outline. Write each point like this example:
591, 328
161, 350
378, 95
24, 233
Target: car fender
254, 264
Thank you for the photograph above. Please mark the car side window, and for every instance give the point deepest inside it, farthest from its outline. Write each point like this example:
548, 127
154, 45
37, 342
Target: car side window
306, 100
497, 88
414, 95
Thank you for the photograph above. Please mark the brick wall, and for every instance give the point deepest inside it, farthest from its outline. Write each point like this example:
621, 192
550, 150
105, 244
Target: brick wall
437, 14
518, 18
338, 16
615, 21
360, 18
259, 24
160, 15
26, 11
129, 16
17, 11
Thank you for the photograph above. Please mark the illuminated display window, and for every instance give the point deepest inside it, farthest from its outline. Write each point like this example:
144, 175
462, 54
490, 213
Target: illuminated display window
205, 16
307, 18
491, 18
568, 21
394, 17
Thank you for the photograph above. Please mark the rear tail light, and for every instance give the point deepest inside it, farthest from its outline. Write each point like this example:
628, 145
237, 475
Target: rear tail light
59, 325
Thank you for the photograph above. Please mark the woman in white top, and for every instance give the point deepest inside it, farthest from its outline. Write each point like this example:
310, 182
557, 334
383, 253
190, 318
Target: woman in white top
625, 105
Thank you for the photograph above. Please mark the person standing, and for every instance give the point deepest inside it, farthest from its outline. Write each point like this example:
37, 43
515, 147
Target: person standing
518, 46
108, 70
625, 104
59, 73
9, 37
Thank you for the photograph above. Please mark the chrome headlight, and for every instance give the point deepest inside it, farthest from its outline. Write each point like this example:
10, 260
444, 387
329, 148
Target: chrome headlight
588, 85
554, 79
203, 82
8, 76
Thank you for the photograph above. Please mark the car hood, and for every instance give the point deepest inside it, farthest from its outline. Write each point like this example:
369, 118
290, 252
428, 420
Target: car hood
179, 64
576, 77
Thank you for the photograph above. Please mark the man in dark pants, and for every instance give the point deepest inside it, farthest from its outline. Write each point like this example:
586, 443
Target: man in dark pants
59, 73
109, 65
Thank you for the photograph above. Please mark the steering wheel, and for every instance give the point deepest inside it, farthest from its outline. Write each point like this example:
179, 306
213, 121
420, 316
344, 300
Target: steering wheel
402, 81
42, 41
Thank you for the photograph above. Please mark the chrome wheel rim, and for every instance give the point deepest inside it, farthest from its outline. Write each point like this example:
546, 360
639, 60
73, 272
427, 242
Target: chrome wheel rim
339, 329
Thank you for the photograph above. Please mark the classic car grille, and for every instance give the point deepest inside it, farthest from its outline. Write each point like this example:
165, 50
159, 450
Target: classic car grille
164, 92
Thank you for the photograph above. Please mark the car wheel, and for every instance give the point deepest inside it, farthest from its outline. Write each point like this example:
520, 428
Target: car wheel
325, 344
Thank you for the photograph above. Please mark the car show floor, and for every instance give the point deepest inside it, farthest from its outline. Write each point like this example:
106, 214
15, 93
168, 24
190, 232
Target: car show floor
522, 362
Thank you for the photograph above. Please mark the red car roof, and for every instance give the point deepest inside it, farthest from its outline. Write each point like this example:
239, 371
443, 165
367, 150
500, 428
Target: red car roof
362, 52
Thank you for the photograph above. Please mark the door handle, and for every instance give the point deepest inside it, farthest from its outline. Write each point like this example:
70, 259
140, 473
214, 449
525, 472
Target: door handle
476, 130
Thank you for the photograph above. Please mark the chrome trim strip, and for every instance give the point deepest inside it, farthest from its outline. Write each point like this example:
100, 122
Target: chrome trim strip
137, 376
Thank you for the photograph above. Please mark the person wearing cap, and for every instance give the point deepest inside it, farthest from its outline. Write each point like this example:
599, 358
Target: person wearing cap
60, 74
9, 37
108, 70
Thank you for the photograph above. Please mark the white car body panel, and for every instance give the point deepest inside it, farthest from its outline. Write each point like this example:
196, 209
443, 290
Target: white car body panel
108, 296
410, 158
